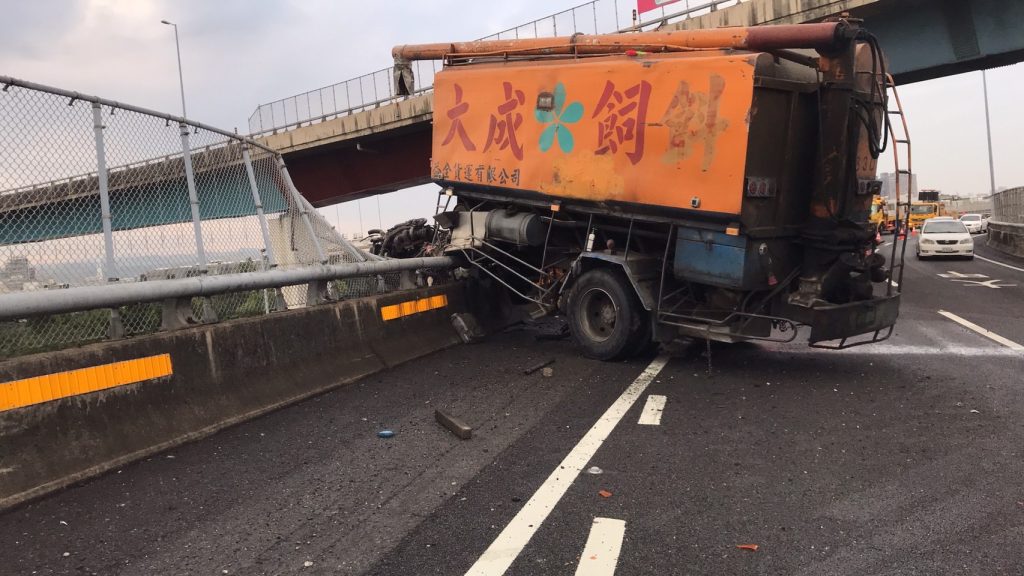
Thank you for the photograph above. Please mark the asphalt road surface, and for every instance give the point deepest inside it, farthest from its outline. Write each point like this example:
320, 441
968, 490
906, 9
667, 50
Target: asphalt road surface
899, 458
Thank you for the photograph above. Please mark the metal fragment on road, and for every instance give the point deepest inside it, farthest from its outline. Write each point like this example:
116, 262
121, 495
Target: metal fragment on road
538, 366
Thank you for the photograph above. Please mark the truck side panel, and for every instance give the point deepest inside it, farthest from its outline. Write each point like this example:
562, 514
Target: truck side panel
668, 130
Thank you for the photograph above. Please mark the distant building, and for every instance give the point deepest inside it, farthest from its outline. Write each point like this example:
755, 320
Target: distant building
17, 274
889, 186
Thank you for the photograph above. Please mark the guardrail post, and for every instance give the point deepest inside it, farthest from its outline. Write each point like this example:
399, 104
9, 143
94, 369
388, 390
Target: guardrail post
298, 202
270, 262
115, 329
209, 314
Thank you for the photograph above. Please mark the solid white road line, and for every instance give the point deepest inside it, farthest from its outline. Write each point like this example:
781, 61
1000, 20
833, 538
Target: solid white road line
507, 546
651, 415
601, 553
986, 333
999, 263
889, 349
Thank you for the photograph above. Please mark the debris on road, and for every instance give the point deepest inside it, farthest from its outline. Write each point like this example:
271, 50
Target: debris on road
467, 327
750, 547
547, 372
975, 412
307, 564
386, 434
604, 494
538, 366
454, 425
594, 470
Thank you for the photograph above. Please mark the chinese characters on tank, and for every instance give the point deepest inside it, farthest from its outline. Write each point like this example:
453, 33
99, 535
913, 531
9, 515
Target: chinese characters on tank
622, 119
619, 127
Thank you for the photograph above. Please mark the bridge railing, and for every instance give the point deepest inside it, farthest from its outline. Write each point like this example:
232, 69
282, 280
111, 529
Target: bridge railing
96, 194
1008, 206
377, 88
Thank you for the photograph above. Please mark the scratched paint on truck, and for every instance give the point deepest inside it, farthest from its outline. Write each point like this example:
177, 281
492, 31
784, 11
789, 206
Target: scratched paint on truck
656, 130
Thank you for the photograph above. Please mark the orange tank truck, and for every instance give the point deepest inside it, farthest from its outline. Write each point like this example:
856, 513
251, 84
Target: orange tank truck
713, 184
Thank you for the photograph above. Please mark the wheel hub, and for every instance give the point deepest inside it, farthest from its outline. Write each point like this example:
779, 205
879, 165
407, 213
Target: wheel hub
599, 314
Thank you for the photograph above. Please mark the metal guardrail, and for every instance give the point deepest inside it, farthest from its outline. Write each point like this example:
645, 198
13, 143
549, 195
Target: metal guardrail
377, 88
32, 304
99, 195
1008, 206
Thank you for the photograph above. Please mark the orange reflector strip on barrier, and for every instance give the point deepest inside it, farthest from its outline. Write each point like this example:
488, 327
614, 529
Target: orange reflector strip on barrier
411, 307
29, 391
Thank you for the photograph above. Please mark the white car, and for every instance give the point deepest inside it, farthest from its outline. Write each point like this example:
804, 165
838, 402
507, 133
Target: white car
944, 237
975, 223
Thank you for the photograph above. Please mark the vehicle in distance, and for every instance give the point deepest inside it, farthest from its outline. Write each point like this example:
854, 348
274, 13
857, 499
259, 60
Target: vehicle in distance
921, 212
945, 237
882, 216
659, 184
975, 223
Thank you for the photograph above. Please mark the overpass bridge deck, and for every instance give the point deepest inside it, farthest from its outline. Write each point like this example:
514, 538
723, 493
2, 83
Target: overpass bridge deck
359, 152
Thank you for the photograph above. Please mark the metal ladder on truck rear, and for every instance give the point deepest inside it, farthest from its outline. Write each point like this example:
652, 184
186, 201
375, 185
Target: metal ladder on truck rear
895, 276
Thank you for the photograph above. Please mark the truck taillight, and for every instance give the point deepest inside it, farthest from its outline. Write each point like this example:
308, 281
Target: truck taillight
758, 187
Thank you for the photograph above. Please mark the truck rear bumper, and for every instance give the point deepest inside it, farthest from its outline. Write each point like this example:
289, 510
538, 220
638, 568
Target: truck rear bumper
842, 322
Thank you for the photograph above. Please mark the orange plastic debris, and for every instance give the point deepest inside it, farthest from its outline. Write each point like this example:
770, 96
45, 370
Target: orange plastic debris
604, 494
751, 547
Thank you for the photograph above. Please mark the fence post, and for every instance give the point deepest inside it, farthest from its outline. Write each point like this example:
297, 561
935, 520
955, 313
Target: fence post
209, 314
193, 197
259, 205
115, 328
297, 201
271, 261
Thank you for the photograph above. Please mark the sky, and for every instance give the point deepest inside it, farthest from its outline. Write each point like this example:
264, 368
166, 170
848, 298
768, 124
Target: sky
237, 54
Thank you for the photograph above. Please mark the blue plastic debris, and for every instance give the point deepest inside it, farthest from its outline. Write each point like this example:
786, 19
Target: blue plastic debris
385, 434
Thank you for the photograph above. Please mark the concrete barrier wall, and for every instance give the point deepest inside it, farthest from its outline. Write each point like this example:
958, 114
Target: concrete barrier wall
217, 375
1006, 237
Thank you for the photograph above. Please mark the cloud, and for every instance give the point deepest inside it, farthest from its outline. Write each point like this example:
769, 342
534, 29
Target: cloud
28, 29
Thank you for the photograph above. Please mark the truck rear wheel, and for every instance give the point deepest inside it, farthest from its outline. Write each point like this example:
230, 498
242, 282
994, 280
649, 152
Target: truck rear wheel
605, 316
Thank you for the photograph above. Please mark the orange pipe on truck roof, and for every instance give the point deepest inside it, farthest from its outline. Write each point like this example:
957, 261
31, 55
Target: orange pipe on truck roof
824, 36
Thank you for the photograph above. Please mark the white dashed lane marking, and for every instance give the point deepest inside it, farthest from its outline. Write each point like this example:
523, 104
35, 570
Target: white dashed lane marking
651, 416
601, 553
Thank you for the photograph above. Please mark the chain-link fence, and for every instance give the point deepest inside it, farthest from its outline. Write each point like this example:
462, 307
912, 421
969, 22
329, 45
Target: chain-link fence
377, 88
1008, 206
93, 192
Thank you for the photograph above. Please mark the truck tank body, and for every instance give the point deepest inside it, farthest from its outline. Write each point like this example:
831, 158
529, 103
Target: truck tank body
730, 187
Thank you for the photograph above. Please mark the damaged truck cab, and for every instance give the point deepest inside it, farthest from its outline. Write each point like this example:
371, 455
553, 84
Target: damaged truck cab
714, 184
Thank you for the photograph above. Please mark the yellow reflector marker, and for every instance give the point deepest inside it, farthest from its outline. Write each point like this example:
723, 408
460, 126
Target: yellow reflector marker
411, 307
390, 312
39, 389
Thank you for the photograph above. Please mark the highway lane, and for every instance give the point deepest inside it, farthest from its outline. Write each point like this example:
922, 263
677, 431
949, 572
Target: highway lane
902, 457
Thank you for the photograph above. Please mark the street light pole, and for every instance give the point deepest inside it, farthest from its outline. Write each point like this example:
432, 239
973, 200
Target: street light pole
988, 127
181, 79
